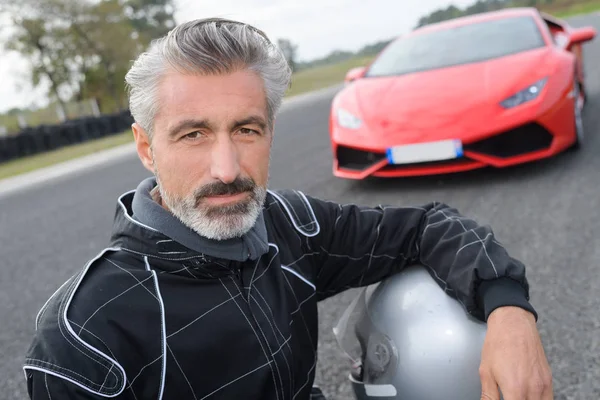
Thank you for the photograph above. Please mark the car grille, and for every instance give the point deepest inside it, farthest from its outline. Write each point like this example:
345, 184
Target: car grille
357, 160
524, 139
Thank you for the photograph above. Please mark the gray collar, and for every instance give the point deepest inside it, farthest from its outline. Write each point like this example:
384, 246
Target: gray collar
249, 246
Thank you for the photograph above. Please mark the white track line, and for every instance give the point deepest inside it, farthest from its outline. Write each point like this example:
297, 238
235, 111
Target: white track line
67, 168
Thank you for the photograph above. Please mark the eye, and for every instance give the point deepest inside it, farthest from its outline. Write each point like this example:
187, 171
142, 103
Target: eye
249, 132
193, 135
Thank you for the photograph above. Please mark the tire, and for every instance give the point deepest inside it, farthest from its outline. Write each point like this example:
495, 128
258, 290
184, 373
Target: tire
579, 102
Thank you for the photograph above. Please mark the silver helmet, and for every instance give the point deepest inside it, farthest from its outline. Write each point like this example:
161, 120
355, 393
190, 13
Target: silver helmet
408, 339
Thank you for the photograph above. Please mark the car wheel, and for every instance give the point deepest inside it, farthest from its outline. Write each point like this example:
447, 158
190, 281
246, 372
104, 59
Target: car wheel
578, 102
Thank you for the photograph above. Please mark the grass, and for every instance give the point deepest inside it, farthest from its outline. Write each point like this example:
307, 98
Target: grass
31, 163
575, 9
323, 76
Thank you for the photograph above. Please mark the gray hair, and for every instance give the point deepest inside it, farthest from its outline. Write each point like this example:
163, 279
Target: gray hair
208, 47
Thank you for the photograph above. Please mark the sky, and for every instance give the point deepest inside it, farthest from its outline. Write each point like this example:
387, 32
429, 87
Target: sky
317, 27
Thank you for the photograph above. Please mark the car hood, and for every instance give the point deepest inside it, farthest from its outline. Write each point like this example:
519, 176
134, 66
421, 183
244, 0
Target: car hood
444, 103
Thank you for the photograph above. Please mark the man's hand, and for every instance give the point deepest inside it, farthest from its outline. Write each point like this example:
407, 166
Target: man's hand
513, 358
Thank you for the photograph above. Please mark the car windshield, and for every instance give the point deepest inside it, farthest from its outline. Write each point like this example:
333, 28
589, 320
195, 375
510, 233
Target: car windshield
458, 45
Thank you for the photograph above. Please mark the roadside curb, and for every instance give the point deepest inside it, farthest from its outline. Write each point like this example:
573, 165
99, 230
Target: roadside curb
44, 175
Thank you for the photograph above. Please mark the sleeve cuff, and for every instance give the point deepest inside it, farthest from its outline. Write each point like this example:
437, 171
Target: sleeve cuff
500, 293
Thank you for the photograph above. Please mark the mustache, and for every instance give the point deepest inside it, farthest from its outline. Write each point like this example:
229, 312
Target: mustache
240, 185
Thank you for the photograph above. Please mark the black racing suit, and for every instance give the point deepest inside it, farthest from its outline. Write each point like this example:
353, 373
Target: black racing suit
149, 318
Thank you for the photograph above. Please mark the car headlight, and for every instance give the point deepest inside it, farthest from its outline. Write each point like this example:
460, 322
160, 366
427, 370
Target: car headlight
348, 120
525, 95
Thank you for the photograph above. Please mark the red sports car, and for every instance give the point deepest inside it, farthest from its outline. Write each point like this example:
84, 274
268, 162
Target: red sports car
495, 89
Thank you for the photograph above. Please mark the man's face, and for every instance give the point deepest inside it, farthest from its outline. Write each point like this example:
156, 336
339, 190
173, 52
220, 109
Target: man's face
210, 150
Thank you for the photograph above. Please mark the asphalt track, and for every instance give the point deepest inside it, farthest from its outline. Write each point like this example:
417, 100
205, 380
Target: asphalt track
546, 213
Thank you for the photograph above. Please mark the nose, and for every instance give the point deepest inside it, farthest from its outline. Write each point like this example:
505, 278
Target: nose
224, 160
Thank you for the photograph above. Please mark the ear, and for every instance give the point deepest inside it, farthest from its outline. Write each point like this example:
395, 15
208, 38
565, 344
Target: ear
143, 146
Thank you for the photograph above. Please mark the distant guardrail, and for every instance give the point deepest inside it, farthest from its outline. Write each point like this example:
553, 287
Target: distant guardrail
44, 138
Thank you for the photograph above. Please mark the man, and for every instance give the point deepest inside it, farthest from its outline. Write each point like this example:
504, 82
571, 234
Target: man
210, 284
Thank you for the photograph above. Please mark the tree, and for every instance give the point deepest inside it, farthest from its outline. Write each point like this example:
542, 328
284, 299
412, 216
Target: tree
440, 15
45, 48
374, 48
481, 6
106, 44
87, 45
150, 18
289, 51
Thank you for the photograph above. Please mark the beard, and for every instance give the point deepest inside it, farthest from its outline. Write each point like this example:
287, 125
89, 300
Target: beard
217, 222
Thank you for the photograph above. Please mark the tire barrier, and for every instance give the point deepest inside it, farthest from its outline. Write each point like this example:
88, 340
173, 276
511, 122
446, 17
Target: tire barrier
43, 138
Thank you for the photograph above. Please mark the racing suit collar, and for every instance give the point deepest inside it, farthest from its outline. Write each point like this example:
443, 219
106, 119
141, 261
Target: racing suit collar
143, 225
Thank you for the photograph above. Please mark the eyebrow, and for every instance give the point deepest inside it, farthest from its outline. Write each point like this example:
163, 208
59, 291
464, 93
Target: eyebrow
188, 124
251, 120
204, 124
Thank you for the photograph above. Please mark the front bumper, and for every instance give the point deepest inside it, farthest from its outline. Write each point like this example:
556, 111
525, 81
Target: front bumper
524, 143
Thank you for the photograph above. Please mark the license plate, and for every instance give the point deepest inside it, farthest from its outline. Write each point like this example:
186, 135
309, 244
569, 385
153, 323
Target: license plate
424, 152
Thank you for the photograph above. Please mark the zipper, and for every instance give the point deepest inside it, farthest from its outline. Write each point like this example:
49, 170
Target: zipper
259, 332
